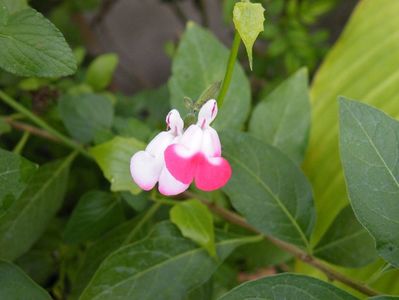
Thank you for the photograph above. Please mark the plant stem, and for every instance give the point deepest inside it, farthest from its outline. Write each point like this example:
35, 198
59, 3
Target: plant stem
31, 129
292, 249
149, 213
41, 123
229, 69
22, 142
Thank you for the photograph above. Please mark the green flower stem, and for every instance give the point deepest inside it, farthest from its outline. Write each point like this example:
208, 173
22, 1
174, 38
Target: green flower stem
22, 142
41, 123
229, 70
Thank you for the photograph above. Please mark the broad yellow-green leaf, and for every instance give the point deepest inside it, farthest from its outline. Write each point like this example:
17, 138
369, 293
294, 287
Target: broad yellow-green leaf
248, 20
101, 70
113, 157
195, 222
363, 64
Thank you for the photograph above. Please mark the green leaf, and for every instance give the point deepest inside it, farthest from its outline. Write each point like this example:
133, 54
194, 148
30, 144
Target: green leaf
15, 284
165, 261
15, 173
14, 5
346, 243
196, 67
383, 298
31, 46
81, 119
27, 218
248, 20
4, 127
131, 127
3, 13
101, 70
95, 214
369, 145
268, 189
287, 286
282, 118
196, 223
351, 71
113, 157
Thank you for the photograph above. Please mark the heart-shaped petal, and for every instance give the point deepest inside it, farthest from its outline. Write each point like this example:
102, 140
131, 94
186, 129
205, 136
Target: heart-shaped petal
180, 162
145, 169
212, 173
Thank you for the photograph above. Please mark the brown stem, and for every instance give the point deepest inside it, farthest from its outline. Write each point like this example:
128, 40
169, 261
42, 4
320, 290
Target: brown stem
31, 129
294, 250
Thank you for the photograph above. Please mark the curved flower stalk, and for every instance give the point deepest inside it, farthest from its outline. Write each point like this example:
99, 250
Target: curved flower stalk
196, 156
148, 167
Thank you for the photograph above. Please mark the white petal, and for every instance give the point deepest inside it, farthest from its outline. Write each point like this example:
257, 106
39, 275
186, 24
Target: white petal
207, 113
211, 143
175, 122
159, 143
192, 139
145, 169
170, 186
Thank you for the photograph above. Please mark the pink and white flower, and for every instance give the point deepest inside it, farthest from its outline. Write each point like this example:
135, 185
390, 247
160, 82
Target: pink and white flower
148, 167
196, 156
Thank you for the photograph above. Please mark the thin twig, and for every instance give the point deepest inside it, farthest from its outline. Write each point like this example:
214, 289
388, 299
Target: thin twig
32, 130
294, 250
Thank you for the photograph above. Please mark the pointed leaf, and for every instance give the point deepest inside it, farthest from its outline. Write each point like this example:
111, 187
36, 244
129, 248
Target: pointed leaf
27, 218
346, 243
287, 286
15, 284
268, 189
165, 261
101, 70
248, 20
369, 144
32, 46
113, 157
282, 118
195, 222
196, 67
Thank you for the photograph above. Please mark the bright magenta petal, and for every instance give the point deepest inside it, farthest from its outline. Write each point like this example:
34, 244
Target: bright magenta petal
180, 163
212, 173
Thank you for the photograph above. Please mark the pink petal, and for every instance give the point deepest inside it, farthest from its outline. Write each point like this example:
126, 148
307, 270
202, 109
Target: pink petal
145, 169
168, 185
212, 173
180, 163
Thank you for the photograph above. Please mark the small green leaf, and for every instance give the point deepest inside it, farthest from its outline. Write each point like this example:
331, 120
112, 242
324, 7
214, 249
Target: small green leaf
346, 243
15, 284
165, 261
95, 214
196, 223
369, 146
32, 46
196, 67
282, 118
4, 126
248, 20
101, 71
81, 119
131, 127
26, 219
15, 174
113, 157
268, 189
287, 286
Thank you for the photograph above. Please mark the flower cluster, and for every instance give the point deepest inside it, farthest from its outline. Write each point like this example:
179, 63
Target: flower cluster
175, 158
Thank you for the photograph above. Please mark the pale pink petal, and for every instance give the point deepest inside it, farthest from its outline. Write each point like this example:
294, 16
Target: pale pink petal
159, 143
169, 186
145, 169
175, 122
207, 113
212, 173
180, 163
192, 139
211, 143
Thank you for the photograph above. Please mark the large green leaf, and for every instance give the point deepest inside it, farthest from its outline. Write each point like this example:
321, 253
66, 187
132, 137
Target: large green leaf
363, 64
196, 66
32, 46
369, 145
287, 286
15, 5
26, 219
195, 222
95, 213
165, 261
81, 119
15, 284
346, 243
282, 118
15, 173
268, 189
113, 157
